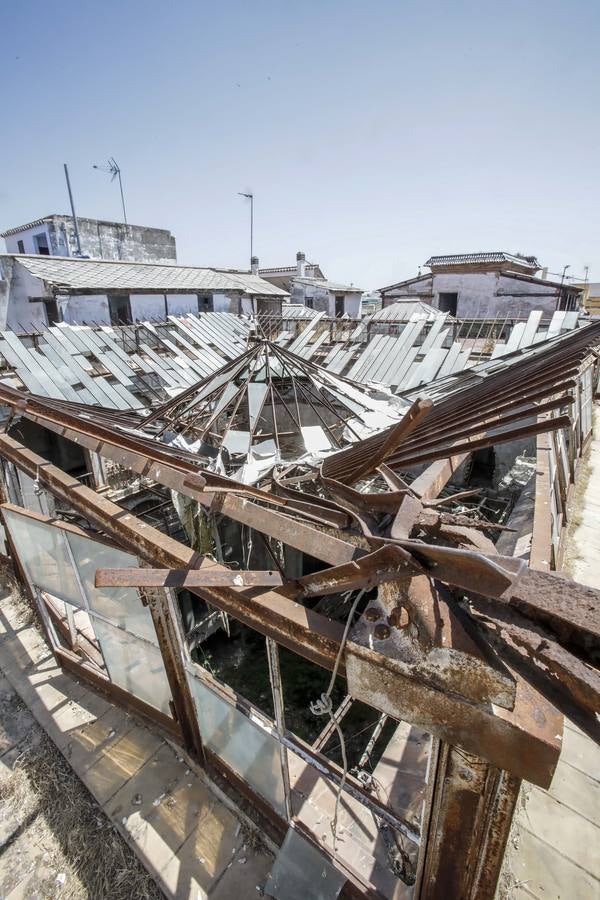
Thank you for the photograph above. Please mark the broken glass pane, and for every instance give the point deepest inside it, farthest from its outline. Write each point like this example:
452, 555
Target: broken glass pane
121, 606
251, 752
134, 665
43, 553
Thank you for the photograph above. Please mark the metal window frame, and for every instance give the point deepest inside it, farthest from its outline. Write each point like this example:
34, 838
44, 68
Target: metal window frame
481, 814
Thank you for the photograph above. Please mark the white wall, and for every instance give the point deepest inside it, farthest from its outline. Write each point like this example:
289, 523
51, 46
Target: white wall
481, 294
12, 242
352, 305
20, 313
226, 303
85, 309
180, 304
147, 306
323, 300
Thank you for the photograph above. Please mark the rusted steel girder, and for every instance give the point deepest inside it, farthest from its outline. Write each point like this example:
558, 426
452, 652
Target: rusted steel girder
354, 462
568, 682
523, 740
471, 813
185, 578
411, 623
234, 500
290, 624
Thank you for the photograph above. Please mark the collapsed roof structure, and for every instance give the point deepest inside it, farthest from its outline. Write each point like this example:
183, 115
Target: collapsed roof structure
335, 519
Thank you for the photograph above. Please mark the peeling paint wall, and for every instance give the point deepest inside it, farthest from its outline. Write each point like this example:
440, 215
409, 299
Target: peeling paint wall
147, 306
6, 274
180, 304
229, 303
81, 309
323, 300
17, 311
99, 240
481, 294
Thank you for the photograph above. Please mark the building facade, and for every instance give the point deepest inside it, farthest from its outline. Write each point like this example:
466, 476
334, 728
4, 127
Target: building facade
308, 286
485, 285
55, 236
36, 291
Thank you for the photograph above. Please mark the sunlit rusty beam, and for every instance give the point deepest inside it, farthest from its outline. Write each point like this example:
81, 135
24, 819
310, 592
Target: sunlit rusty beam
359, 459
522, 740
289, 623
185, 578
231, 502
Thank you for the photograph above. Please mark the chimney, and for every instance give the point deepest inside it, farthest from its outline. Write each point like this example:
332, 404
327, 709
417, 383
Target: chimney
254, 265
300, 264
544, 274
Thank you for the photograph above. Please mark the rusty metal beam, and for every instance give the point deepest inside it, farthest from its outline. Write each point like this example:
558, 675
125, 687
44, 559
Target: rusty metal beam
290, 624
522, 740
385, 564
185, 578
224, 496
568, 683
359, 459
472, 809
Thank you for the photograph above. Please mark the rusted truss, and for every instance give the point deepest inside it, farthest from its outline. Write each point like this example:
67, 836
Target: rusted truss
418, 651
459, 702
470, 645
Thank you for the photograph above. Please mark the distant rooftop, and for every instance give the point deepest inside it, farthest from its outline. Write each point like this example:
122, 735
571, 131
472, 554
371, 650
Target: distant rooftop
327, 285
283, 270
493, 257
45, 219
72, 273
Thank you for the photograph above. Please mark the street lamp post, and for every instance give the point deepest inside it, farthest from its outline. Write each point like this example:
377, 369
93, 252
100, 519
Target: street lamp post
250, 197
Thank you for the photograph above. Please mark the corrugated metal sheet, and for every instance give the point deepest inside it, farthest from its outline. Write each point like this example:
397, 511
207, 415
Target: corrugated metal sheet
403, 310
297, 311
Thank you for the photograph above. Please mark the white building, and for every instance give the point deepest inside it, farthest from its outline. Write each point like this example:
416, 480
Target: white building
36, 291
308, 286
485, 285
55, 236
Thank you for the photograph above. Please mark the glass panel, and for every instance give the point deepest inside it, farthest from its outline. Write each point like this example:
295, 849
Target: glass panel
121, 606
43, 554
300, 871
134, 665
31, 499
251, 752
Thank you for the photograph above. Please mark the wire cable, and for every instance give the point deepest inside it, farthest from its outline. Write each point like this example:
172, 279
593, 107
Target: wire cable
324, 707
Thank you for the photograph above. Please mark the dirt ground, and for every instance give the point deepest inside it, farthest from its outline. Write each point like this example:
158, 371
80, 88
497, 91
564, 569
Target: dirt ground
55, 841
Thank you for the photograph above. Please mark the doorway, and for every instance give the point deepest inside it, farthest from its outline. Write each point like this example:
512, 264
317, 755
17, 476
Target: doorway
339, 306
120, 309
447, 302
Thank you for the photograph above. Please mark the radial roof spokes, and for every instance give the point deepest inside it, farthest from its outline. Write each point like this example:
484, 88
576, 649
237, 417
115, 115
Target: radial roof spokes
273, 403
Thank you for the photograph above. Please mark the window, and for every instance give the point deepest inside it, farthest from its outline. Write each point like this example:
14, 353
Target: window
41, 244
205, 303
20, 246
447, 303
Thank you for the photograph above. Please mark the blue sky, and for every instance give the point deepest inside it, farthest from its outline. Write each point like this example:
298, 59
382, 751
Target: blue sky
372, 134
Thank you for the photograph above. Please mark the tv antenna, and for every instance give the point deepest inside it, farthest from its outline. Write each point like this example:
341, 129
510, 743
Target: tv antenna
114, 171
